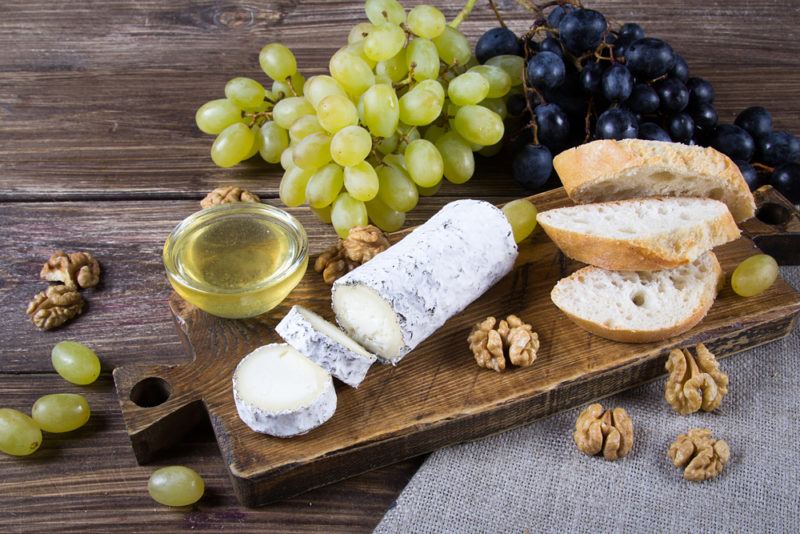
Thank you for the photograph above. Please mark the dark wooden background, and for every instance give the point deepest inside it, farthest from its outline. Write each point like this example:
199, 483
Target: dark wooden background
99, 152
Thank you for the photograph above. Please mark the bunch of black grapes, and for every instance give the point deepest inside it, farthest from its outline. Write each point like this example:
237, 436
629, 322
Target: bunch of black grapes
586, 81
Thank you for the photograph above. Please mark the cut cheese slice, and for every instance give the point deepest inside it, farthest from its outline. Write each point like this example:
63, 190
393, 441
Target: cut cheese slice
325, 344
403, 295
280, 392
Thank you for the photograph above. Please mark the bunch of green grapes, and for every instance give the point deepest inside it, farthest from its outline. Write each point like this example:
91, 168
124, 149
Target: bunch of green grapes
405, 105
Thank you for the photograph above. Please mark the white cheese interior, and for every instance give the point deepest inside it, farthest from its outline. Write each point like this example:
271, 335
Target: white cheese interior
277, 378
330, 330
368, 319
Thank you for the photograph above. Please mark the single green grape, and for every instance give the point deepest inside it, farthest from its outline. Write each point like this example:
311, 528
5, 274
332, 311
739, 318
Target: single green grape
384, 41
361, 181
422, 54
282, 89
424, 163
521, 215
384, 217
287, 162
213, 117
256, 146
352, 72
318, 87
434, 132
232, 145
398, 161
429, 191
292, 189
288, 110
499, 81
395, 68
479, 125
323, 214
277, 61
19, 434
498, 105
512, 65
381, 110
426, 21
359, 49
468, 88
313, 151
246, 93
350, 145
303, 127
387, 145
273, 140
453, 47
459, 162
61, 412
75, 362
346, 213
422, 104
324, 186
396, 189
381, 11
754, 275
176, 486
359, 32
334, 112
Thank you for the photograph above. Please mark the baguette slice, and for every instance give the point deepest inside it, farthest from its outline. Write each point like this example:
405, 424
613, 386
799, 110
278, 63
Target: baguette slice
639, 307
616, 170
640, 235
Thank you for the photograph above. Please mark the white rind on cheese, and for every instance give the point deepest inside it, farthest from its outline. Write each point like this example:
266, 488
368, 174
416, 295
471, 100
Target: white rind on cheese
325, 344
280, 392
403, 295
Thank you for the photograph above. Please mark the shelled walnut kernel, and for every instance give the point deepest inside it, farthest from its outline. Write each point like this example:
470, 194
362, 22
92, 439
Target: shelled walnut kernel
694, 383
75, 270
362, 244
54, 306
701, 456
228, 195
609, 432
512, 338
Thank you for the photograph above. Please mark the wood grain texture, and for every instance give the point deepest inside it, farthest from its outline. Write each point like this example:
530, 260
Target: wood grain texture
98, 98
435, 397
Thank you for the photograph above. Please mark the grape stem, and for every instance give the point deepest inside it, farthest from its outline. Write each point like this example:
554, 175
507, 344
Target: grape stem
291, 87
497, 14
762, 167
463, 14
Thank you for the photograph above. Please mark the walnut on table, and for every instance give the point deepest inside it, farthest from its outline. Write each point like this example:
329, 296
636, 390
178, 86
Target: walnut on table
609, 432
701, 456
694, 383
75, 270
362, 244
228, 195
54, 306
512, 338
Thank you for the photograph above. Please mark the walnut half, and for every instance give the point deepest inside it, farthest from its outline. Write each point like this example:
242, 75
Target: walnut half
362, 244
228, 195
701, 456
609, 432
694, 383
54, 306
512, 338
78, 269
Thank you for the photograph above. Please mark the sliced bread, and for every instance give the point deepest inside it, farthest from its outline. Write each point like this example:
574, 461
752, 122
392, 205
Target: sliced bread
632, 168
640, 235
639, 307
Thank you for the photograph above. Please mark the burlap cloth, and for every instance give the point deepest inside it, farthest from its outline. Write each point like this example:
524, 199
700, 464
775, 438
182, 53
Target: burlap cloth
534, 478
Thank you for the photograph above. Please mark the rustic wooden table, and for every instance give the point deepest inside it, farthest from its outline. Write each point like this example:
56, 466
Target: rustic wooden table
100, 153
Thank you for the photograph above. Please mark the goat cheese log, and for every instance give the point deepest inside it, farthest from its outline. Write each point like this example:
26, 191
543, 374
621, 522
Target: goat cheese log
326, 345
280, 392
403, 295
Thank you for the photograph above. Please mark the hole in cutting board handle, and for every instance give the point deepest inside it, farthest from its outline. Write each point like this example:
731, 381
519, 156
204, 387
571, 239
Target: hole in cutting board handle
774, 214
150, 392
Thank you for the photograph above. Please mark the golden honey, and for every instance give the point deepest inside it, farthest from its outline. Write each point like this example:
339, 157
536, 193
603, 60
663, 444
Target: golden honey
236, 260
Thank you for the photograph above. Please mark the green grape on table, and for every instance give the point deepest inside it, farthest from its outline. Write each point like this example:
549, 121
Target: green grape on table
19, 434
384, 41
353, 73
512, 65
61, 412
426, 21
350, 145
334, 112
521, 215
453, 47
396, 189
75, 362
424, 163
176, 486
273, 140
468, 88
288, 110
422, 104
347, 213
318, 87
381, 110
361, 181
384, 217
395, 68
381, 11
245, 93
754, 275
232, 145
359, 32
499, 81
313, 151
459, 162
422, 54
292, 189
324, 186
479, 125
303, 127
216, 115
277, 61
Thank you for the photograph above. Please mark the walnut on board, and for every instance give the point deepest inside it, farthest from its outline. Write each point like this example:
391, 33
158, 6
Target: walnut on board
701, 456
228, 195
75, 270
609, 432
512, 339
55, 306
362, 244
694, 383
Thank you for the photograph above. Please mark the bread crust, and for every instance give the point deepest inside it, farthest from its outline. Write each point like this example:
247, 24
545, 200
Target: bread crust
647, 254
582, 169
647, 336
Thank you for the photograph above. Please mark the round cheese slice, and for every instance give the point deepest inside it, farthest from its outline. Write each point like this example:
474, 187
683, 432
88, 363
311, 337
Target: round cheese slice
280, 392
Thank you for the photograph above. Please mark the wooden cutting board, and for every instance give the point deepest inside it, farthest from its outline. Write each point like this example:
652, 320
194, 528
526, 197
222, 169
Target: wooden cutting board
436, 396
